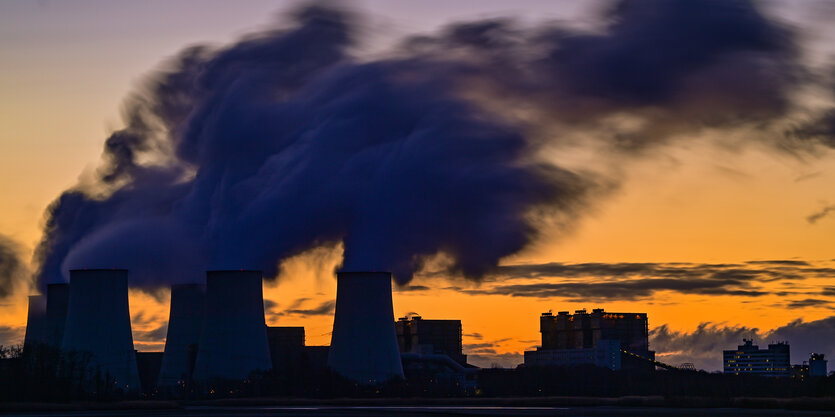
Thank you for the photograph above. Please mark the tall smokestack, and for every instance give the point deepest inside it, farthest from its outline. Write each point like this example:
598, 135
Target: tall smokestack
185, 322
234, 339
98, 322
35, 322
57, 301
364, 342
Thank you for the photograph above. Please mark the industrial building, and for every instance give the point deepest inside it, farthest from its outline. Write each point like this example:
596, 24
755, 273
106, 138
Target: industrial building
98, 323
233, 343
748, 358
817, 365
363, 343
600, 338
47, 316
286, 346
417, 335
185, 324
57, 302
35, 322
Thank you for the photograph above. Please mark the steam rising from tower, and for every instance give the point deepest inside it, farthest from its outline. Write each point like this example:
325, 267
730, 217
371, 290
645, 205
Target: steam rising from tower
234, 338
364, 343
98, 322
463, 140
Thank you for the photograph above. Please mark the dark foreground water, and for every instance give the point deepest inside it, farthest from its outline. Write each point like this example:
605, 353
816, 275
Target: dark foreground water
419, 411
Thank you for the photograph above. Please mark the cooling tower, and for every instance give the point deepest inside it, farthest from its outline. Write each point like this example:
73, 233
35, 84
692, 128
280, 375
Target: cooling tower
185, 322
57, 300
234, 338
35, 322
98, 322
363, 342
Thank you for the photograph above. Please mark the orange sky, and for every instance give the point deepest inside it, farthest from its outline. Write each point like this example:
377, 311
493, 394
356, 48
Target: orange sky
700, 204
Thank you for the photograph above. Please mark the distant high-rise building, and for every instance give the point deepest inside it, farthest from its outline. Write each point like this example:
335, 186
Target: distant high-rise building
417, 335
748, 358
817, 365
605, 339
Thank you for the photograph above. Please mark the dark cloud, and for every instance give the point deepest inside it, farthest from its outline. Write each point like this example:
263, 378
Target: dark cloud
366, 152
703, 347
156, 335
479, 347
474, 335
654, 61
807, 337
410, 288
324, 309
623, 290
808, 302
789, 262
814, 217
13, 271
247, 154
755, 270
492, 359
618, 66
11, 335
640, 280
828, 291
820, 130
270, 305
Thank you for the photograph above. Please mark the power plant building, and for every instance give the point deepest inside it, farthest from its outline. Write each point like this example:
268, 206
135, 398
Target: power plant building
421, 336
600, 338
36, 326
233, 343
817, 365
57, 302
185, 322
363, 343
286, 347
748, 358
98, 323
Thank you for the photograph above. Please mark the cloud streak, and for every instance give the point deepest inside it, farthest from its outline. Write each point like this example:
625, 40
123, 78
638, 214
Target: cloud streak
817, 216
631, 281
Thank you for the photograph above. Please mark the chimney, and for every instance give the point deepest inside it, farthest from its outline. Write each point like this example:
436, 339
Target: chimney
364, 343
35, 322
57, 300
98, 322
234, 338
185, 322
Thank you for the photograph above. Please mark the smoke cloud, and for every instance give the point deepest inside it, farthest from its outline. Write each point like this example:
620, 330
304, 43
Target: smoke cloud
13, 271
245, 155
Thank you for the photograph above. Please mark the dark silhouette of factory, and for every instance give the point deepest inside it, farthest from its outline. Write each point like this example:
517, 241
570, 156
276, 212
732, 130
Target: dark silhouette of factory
608, 340
217, 333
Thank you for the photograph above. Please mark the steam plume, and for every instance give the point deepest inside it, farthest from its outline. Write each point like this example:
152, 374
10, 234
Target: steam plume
242, 156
